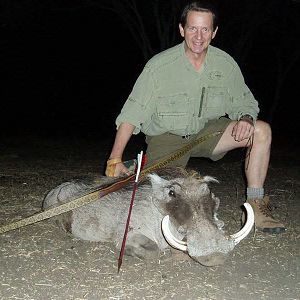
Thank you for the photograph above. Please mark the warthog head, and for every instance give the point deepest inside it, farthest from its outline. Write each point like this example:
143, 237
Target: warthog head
190, 220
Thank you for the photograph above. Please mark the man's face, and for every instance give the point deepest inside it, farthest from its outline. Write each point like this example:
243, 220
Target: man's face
198, 32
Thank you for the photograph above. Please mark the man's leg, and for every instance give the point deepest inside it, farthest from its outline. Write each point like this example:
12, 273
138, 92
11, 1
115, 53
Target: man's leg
256, 167
162, 146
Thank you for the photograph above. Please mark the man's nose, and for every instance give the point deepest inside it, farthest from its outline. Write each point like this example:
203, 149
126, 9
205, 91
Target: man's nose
198, 34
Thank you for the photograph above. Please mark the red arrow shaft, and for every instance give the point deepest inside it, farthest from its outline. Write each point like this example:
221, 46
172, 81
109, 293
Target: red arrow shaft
127, 227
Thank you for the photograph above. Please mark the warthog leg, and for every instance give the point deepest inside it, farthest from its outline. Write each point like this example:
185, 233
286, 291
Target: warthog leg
140, 246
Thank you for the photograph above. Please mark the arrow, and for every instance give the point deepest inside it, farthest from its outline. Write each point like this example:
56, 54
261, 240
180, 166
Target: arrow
140, 163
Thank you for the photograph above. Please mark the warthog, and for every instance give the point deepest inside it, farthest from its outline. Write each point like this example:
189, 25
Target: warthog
172, 207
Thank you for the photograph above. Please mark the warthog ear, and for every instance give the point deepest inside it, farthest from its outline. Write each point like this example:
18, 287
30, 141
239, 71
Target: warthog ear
155, 179
157, 183
207, 179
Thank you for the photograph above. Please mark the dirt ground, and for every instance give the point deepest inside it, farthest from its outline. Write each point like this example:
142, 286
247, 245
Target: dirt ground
40, 262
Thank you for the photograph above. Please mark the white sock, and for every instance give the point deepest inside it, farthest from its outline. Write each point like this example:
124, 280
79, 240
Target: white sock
255, 193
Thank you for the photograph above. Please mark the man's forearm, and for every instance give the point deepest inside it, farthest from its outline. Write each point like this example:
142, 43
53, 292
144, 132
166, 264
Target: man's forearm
123, 135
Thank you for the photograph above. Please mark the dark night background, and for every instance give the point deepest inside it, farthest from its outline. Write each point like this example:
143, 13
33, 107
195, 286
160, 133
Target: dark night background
68, 66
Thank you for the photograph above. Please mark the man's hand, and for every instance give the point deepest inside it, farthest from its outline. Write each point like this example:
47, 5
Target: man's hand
243, 129
121, 170
115, 168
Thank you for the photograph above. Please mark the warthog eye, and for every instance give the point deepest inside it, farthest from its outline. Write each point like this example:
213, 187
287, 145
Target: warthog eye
172, 193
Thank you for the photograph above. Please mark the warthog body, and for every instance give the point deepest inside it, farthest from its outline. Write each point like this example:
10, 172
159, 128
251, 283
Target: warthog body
184, 197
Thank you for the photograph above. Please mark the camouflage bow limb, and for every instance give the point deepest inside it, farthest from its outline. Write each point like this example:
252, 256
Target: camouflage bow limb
100, 192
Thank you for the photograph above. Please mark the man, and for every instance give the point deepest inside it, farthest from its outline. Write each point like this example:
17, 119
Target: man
184, 93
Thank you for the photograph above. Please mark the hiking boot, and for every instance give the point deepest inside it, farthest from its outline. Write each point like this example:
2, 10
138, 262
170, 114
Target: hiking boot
264, 220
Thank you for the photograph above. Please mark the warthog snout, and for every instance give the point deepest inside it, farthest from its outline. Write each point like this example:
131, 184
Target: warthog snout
207, 244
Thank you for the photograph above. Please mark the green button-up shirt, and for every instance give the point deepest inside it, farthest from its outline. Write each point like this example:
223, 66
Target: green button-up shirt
171, 96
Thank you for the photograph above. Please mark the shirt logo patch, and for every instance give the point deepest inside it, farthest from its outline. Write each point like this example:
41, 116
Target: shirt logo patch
215, 75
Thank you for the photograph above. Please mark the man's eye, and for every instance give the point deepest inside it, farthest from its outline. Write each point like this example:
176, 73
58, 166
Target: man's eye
206, 30
192, 29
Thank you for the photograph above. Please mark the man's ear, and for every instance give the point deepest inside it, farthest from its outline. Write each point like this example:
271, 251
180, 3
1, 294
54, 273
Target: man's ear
181, 30
215, 32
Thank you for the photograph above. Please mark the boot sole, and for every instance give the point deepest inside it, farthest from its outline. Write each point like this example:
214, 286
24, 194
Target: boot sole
272, 230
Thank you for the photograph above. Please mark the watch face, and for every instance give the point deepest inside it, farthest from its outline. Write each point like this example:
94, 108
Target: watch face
247, 116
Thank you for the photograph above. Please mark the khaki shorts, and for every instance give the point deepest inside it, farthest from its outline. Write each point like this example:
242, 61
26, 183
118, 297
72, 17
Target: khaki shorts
161, 146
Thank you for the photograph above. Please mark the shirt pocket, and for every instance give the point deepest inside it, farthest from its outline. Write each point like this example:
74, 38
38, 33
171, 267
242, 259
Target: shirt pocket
173, 111
216, 101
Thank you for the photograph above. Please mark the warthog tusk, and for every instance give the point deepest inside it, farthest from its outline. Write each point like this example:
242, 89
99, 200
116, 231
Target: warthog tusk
171, 239
237, 237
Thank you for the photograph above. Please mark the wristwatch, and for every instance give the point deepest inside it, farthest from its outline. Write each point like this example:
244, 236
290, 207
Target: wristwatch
246, 117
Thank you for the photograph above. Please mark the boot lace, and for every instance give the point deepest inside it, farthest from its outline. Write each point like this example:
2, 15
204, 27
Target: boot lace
265, 209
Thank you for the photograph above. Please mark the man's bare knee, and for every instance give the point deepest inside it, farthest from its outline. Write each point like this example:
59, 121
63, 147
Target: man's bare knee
263, 132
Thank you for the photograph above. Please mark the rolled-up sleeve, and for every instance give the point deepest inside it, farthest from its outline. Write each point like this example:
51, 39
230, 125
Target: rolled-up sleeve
242, 99
138, 107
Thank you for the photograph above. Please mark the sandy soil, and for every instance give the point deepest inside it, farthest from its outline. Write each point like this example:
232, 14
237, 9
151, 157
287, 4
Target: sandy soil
40, 262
